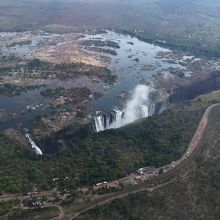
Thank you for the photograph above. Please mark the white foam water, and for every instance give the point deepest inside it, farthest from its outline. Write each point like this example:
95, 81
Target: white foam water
139, 106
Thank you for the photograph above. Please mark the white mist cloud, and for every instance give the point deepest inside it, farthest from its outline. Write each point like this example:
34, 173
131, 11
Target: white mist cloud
139, 99
136, 107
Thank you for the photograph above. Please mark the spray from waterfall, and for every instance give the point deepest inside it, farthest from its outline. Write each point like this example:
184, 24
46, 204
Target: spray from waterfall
138, 106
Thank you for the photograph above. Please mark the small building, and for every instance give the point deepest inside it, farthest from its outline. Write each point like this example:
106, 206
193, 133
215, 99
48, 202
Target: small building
127, 183
113, 184
138, 178
145, 170
100, 186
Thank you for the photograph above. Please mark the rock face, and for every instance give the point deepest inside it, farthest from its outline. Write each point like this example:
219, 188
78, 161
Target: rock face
186, 93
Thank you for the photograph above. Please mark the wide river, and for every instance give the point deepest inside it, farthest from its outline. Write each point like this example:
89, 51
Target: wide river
135, 61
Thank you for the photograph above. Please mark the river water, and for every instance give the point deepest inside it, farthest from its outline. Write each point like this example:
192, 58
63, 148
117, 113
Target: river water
129, 66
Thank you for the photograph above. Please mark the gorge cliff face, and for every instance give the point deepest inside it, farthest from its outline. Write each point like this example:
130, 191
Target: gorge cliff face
189, 92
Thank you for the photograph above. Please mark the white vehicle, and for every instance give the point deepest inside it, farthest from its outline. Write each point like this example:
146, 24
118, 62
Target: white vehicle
98, 184
141, 171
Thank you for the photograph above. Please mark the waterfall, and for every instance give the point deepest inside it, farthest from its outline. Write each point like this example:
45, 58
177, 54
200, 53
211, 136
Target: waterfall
36, 149
151, 109
144, 111
117, 120
139, 106
99, 123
